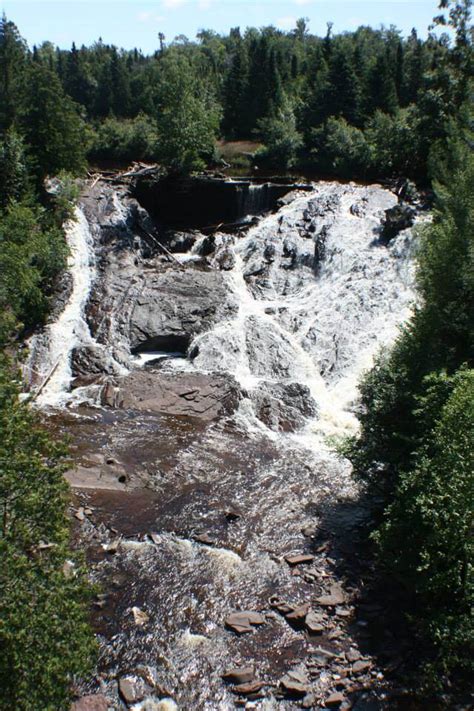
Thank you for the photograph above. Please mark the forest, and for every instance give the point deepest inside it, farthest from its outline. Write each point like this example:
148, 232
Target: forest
363, 105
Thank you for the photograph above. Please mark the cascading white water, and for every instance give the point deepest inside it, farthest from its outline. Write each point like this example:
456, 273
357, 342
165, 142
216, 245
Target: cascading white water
319, 329
51, 350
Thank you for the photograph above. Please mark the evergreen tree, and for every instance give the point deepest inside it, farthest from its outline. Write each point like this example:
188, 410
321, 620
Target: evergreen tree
13, 54
53, 129
13, 170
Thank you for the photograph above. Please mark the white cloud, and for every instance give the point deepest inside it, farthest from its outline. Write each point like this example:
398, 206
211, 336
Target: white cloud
147, 16
286, 23
204, 4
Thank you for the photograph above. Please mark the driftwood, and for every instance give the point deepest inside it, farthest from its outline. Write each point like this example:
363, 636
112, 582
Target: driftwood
45, 381
164, 249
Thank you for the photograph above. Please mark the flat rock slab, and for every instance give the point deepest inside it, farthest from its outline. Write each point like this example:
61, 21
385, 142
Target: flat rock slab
314, 623
239, 675
132, 689
299, 613
299, 559
247, 689
242, 622
334, 700
335, 597
94, 702
198, 395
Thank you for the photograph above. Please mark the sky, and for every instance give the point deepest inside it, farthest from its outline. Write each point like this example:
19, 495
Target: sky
133, 23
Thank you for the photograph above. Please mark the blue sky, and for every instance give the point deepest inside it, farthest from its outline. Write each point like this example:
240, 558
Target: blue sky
130, 23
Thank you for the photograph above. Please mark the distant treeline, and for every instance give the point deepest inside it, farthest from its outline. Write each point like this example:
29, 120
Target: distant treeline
369, 102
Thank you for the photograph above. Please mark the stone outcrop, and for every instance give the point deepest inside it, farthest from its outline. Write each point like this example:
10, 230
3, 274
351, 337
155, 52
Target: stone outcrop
182, 394
176, 305
284, 407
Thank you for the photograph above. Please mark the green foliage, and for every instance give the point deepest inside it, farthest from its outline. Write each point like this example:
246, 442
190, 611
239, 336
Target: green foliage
12, 58
416, 445
340, 148
281, 138
187, 120
124, 140
50, 122
426, 536
32, 253
45, 639
13, 170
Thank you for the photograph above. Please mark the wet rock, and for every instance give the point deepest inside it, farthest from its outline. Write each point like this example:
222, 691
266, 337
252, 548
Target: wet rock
248, 689
284, 407
360, 667
335, 597
206, 246
353, 655
298, 614
396, 219
225, 260
309, 701
231, 515
93, 702
132, 689
176, 305
299, 559
239, 675
282, 606
334, 700
80, 515
90, 360
295, 683
112, 547
184, 394
314, 623
140, 617
242, 622
180, 241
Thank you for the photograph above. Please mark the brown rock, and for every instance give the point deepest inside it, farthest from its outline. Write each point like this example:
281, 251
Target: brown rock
299, 613
132, 689
313, 622
239, 675
298, 559
241, 622
94, 702
353, 655
140, 617
335, 699
336, 597
361, 667
204, 538
281, 605
247, 689
297, 687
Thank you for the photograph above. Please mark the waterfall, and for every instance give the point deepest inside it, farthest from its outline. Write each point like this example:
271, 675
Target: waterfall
51, 350
315, 324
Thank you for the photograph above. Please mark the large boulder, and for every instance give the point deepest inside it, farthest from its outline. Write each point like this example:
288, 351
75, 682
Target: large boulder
176, 305
397, 218
203, 396
284, 407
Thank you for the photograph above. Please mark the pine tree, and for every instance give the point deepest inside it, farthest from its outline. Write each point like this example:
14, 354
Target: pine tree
13, 53
52, 126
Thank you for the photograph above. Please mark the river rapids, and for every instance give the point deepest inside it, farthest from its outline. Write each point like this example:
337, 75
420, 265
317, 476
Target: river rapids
204, 386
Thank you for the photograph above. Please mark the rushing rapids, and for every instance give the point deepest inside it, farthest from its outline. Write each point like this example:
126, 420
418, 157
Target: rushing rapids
212, 369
